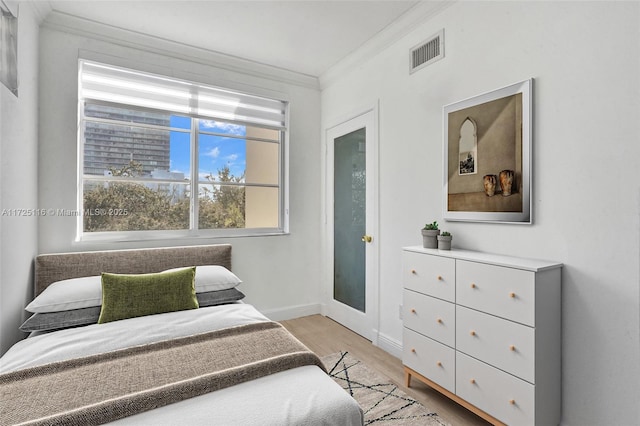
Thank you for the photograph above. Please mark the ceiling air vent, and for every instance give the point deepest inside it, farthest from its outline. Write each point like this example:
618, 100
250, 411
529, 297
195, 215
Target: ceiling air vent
427, 52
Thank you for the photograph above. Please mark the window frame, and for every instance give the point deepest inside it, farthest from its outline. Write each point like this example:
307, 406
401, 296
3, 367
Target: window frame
194, 179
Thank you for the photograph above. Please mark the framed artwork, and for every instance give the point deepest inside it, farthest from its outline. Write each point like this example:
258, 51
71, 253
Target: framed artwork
487, 156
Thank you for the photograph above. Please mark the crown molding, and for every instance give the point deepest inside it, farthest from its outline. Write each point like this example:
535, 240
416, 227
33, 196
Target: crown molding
71, 24
405, 24
41, 9
9, 6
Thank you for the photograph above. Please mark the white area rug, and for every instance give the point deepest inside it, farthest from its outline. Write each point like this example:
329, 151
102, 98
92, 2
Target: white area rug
382, 402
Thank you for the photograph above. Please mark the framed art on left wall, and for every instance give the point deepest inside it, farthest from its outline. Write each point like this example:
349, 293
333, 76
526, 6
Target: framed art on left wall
487, 156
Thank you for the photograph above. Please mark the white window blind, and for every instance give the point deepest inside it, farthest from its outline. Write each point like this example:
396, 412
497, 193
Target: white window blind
107, 83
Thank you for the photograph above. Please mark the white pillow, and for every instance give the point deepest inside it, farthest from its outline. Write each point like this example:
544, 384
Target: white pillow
69, 294
213, 278
85, 292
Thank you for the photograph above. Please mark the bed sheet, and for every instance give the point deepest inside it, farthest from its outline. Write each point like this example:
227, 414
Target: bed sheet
302, 396
99, 338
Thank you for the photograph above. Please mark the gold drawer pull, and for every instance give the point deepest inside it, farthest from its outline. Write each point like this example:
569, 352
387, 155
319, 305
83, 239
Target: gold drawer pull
439, 364
512, 401
512, 295
413, 271
413, 311
472, 381
413, 350
439, 277
512, 348
439, 320
473, 285
472, 332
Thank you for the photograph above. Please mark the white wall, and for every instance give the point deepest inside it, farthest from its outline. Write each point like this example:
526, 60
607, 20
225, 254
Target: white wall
585, 59
18, 181
278, 271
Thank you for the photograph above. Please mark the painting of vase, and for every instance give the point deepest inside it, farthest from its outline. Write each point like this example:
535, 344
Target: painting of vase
490, 182
487, 153
506, 182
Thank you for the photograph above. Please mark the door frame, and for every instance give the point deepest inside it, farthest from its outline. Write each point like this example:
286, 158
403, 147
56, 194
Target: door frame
345, 316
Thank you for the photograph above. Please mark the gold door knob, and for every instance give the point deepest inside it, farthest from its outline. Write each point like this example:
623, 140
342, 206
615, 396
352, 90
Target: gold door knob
367, 238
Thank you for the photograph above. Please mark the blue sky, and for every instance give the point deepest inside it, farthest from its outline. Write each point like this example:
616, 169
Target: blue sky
214, 151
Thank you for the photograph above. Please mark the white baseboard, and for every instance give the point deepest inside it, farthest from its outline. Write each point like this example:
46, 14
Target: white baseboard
323, 309
291, 312
390, 345
380, 340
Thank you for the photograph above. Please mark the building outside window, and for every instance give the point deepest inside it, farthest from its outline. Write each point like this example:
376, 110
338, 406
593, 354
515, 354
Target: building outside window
161, 156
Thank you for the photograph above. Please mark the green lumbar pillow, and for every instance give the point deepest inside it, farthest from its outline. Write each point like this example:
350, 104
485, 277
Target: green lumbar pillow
127, 296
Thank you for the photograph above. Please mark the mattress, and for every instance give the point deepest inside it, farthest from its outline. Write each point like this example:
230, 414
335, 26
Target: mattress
301, 396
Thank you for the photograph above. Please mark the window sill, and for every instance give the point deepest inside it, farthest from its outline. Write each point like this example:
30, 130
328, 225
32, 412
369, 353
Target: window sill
136, 236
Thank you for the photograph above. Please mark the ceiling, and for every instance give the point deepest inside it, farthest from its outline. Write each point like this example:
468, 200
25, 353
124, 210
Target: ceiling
303, 36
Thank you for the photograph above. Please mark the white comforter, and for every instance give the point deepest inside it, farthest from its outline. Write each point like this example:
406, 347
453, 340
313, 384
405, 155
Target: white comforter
302, 396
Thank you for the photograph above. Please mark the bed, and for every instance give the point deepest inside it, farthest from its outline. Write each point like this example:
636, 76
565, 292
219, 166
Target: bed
222, 362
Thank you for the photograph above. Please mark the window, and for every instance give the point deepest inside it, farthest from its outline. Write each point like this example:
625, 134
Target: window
9, 46
161, 155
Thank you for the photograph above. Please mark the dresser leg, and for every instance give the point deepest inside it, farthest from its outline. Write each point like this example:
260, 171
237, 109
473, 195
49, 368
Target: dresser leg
407, 378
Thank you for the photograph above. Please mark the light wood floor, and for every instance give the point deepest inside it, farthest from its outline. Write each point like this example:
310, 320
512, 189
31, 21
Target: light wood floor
325, 336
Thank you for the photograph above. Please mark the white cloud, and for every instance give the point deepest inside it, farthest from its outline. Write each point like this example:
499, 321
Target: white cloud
213, 153
233, 129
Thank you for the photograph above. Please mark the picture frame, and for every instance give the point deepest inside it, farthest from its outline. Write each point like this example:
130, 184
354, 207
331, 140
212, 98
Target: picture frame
487, 156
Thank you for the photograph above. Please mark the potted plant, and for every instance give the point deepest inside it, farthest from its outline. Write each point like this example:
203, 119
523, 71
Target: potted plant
444, 241
429, 234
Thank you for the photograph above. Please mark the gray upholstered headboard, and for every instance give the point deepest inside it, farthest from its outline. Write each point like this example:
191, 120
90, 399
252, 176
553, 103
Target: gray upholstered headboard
50, 268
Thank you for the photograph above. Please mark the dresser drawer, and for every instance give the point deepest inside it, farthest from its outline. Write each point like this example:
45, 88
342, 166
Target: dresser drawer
505, 397
433, 360
504, 344
435, 318
505, 292
432, 275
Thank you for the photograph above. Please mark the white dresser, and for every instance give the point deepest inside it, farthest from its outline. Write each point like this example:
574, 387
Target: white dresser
485, 330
